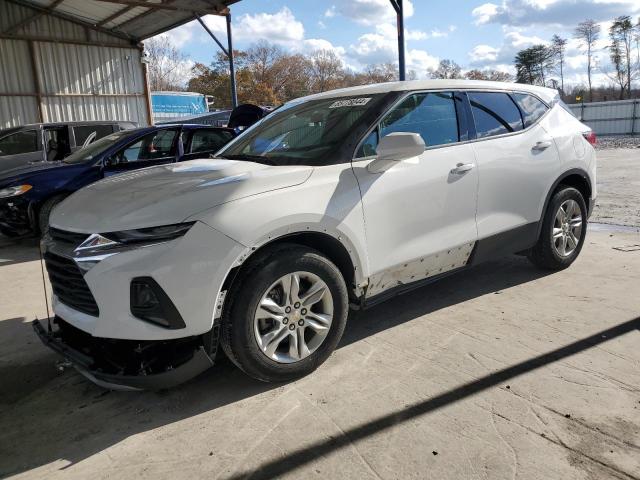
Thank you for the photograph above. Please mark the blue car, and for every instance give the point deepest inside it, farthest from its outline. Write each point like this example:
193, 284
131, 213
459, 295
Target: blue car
29, 193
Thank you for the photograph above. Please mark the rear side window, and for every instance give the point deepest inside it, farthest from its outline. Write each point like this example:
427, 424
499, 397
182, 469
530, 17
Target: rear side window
82, 132
532, 108
209, 140
494, 114
153, 146
19, 142
432, 115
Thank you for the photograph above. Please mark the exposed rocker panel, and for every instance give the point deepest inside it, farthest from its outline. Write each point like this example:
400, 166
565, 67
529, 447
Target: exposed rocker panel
505, 243
420, 269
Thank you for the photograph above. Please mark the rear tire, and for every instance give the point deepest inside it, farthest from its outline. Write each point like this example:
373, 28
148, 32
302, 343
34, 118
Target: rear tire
564, 228
276, 336
45, 213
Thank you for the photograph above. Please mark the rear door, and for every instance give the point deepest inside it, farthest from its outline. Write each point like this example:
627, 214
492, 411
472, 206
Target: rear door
516, 159
20, 148
204, 142
158, 147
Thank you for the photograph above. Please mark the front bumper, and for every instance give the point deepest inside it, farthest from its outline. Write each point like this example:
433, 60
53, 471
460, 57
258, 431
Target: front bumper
14, 215
91, 357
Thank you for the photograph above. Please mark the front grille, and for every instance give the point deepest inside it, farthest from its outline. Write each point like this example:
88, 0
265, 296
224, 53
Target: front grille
69, 238
69, 285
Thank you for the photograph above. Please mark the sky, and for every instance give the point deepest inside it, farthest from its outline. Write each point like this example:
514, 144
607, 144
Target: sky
475, 34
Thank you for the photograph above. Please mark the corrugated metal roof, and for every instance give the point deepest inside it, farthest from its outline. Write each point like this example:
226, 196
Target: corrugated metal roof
129, 19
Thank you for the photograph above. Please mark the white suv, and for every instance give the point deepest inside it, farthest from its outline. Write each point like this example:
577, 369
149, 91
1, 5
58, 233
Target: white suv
335, 200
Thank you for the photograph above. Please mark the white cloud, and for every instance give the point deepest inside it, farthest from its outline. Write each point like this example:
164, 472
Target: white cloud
330, 12
551, 12
180, 36
421, 62
281, 27
485, 56
369, 12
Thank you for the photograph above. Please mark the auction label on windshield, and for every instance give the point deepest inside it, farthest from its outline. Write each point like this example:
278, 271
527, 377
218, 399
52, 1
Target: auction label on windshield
350, 102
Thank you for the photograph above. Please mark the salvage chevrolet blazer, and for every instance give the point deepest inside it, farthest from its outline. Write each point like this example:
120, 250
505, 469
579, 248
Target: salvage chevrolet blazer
333, 201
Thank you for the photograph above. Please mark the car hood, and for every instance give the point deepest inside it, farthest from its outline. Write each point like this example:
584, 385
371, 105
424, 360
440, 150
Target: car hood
13, 174
168, 194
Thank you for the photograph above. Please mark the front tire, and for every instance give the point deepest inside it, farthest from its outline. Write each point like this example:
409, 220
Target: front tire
45, 212
286, 314
563, 230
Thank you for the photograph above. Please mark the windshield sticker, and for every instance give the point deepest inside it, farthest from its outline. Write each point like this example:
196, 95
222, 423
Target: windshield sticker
350, 102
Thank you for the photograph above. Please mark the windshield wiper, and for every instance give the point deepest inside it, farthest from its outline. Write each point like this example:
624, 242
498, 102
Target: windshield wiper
249, 158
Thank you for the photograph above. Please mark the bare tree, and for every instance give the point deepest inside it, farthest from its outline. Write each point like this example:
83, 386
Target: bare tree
558, 47
588, 32
447, 69
167, 65
325, 70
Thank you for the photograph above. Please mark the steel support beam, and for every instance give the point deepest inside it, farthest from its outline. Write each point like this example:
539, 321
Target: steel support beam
232, 70
228, 52
398, 7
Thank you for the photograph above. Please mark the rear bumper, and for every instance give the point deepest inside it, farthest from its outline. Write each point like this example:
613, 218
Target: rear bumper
89, 363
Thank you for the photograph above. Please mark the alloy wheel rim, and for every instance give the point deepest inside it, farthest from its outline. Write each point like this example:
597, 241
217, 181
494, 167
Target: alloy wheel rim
293, 317
567, 228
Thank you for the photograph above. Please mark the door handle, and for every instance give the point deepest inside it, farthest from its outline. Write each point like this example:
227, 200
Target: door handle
462, 168
540, 146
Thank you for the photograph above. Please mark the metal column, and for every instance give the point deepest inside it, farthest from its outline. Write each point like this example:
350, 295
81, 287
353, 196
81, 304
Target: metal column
397, 6
228, 52
232, 70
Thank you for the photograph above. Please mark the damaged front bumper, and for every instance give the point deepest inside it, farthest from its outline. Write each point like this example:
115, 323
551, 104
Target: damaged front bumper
128, 364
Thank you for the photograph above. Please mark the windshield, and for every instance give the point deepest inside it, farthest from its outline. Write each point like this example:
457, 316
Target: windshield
96, 148
313, 132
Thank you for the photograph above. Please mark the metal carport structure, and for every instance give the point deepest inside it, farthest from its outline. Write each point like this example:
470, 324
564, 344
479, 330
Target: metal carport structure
72, 60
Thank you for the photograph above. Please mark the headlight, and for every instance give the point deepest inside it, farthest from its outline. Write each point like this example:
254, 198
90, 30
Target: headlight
151, 234
14, 191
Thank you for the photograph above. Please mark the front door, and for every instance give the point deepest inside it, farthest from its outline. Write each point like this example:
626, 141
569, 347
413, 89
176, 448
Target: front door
155, 148
20, 148
420, 214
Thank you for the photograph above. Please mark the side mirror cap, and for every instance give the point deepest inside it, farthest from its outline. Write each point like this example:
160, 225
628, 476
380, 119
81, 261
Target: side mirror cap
399, 146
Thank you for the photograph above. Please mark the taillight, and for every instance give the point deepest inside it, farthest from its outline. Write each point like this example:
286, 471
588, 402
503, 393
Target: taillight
590, 137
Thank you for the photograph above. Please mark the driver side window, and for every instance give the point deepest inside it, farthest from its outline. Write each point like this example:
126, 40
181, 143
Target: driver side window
153, 146
432, 115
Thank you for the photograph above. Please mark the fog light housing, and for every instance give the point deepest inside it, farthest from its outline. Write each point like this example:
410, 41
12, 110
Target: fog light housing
151, 304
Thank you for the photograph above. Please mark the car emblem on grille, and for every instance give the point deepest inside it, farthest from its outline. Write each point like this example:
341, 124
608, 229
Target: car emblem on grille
95, 241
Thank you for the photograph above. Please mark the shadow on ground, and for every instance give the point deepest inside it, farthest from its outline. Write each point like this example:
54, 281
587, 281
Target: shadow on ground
64, 407
21, 250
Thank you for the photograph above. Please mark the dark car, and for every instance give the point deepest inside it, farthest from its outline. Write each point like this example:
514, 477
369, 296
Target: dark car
42, 142
28, 193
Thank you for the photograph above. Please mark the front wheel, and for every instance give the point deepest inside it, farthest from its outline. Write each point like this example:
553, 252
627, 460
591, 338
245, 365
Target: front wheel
286, 315
563, 230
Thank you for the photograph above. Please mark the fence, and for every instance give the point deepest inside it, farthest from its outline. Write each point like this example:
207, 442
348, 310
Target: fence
610, 118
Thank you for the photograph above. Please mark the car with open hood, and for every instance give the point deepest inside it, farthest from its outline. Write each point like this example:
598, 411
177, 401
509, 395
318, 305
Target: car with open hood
334, 201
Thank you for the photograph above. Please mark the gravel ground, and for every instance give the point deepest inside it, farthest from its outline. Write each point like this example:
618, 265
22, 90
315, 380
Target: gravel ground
620, 141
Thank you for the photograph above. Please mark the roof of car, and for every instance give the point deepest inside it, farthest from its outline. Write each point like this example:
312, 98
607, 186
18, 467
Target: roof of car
91, 122
545, 93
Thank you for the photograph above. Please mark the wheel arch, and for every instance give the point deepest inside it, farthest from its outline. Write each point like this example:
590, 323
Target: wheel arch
576, 178
334, 248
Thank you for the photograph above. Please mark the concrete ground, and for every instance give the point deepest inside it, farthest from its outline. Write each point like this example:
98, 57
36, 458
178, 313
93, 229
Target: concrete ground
499, 372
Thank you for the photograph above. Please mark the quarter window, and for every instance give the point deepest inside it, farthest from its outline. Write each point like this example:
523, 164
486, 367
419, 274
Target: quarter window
209, 140
532, 108
494, 114
19, 142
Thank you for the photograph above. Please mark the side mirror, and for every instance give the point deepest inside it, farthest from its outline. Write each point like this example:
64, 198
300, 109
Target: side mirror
400, 146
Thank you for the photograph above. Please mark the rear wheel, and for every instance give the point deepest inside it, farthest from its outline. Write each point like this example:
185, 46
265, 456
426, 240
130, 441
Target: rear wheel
563, 230
286, 315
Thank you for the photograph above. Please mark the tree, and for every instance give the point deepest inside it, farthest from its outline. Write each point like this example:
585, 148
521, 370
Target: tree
447, 69
167, 66
559, 46
588, 32
533, 63
621, 36
325, 70
489, 74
